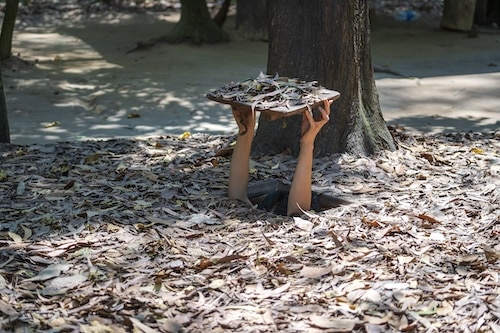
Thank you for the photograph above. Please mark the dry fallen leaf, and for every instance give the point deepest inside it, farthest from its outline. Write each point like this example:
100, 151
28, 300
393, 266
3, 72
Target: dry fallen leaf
184, 135
52, 124
202, 219
3, 176
91, 159
428, 218
140, 327
21, 187
371, 295
477, 150
495, 328
15, 237
133, 252
303, 224
437, 236
63, 284
216, 284
445, 309
50, 272
314, 272
333, 324
8, 309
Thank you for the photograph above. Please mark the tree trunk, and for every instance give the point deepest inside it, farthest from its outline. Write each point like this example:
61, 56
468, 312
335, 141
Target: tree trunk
458, 14
327, 41
4, 120
493, 13
9, 21
221, 15
251, 19
195, 25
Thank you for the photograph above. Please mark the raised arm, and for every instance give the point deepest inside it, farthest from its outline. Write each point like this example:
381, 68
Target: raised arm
238, 171
300, 190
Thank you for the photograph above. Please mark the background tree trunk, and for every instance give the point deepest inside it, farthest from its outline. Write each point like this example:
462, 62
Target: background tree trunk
251, 19
195, 25
221, 15
458, 14
327, 41
9, 21
4, 120
487, 12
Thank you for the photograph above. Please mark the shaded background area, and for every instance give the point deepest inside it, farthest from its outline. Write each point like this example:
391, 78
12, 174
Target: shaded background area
78, 80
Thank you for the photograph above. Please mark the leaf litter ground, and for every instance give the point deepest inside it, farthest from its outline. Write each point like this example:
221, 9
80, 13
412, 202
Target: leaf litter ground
138, 236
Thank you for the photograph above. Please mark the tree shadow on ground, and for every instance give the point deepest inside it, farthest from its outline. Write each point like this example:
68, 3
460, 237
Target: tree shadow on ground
98, 90
94, 89
421, 49
464, 103
434, 124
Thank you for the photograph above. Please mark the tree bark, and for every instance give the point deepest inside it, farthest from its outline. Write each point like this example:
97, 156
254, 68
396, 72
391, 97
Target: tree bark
251, 19
4, 120
9, 21
458, 14
221, 15
196, 25
481, 12
492, 13
327, 41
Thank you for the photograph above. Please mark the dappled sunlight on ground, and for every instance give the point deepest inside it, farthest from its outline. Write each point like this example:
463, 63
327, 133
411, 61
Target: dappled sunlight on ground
85, 83
56, 52
464, 103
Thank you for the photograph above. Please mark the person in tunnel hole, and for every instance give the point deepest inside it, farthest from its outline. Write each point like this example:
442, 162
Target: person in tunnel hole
276, 196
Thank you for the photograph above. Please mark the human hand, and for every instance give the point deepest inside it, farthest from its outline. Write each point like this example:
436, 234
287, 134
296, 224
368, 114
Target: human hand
245, 119
310, 126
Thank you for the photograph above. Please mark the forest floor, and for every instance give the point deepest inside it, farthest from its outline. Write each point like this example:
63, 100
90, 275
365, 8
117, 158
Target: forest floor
135, 233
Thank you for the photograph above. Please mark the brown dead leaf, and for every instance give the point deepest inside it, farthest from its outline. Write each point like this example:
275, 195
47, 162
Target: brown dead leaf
389, 230
230, 258
269, 241
283, 269
429, 157
205, 263
371, 223
428, 218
